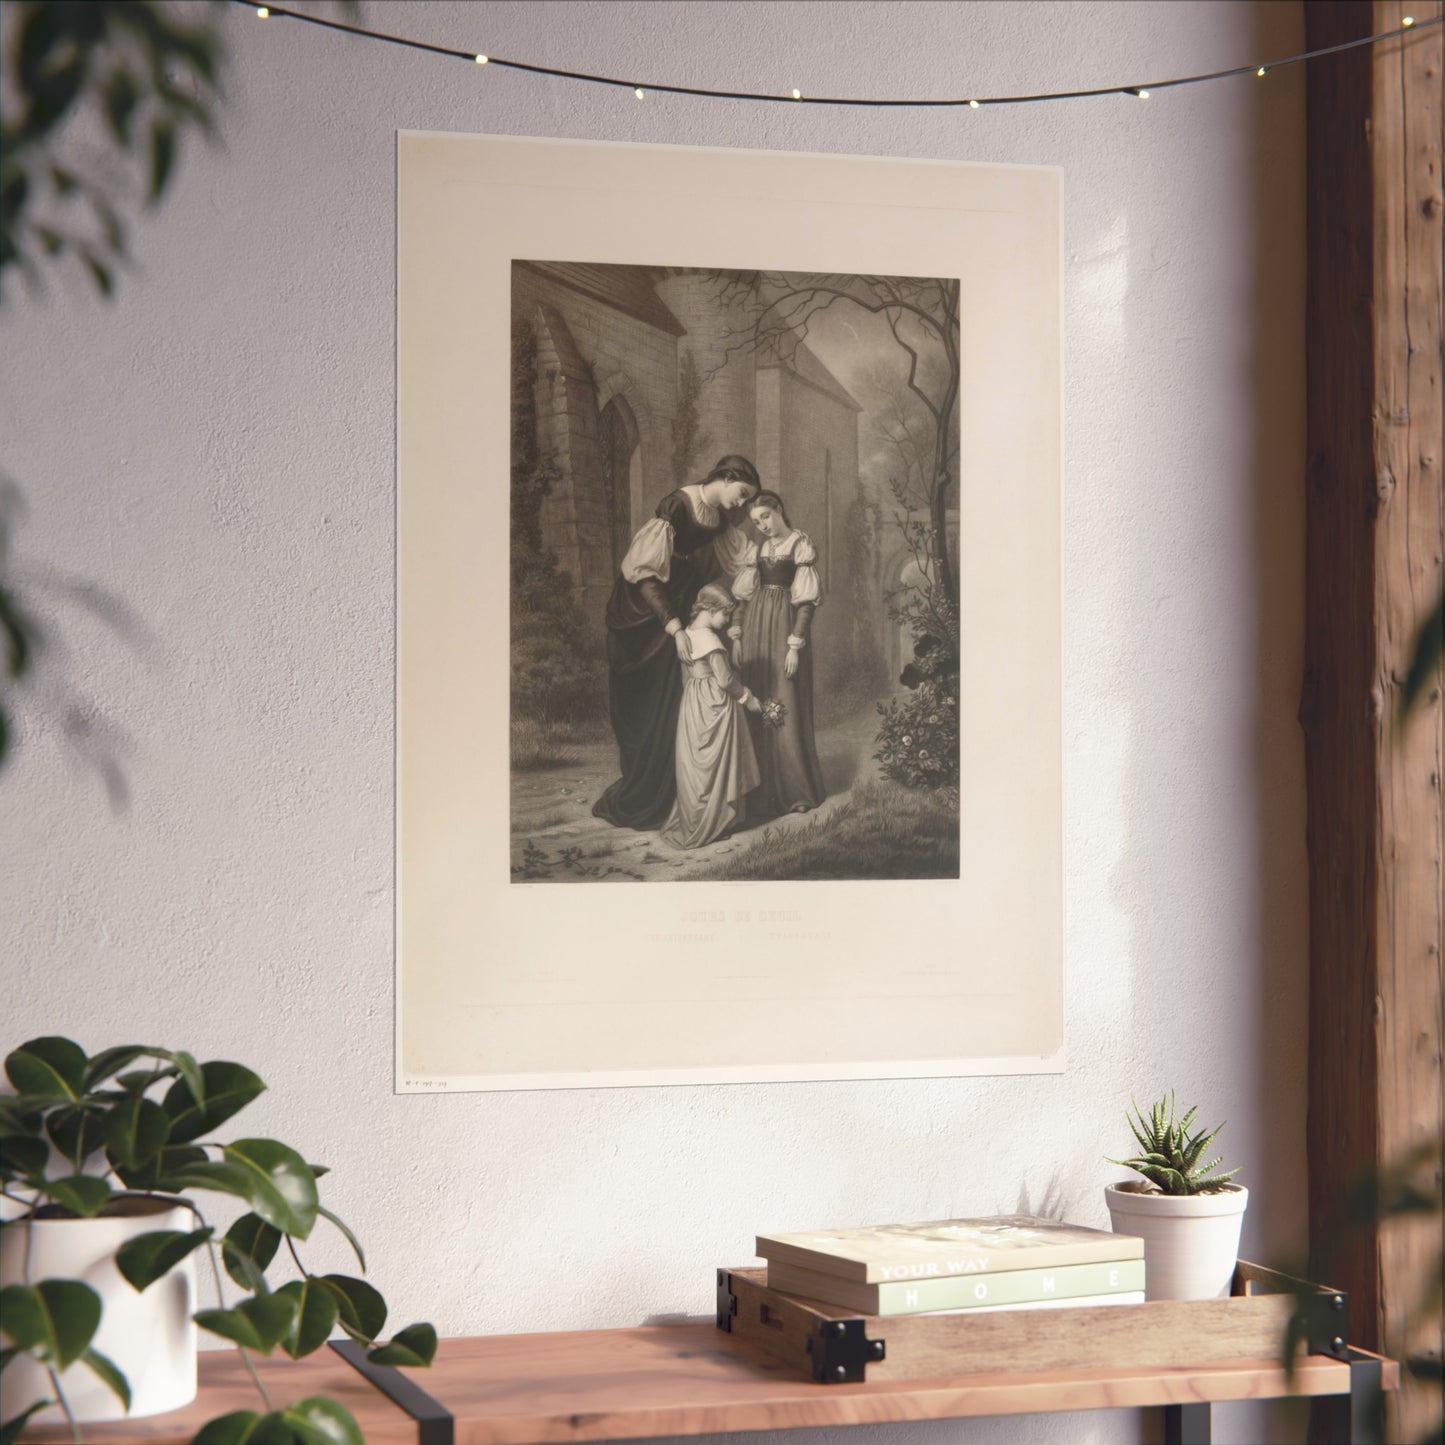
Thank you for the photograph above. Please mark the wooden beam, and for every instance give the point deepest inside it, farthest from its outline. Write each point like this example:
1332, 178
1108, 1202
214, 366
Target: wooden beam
1374, 544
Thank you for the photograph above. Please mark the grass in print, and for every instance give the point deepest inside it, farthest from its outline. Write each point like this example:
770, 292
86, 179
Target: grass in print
882, 831
537, 745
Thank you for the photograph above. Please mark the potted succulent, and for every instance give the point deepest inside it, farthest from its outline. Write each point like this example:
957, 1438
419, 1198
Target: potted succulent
1186, 1211
101, 1160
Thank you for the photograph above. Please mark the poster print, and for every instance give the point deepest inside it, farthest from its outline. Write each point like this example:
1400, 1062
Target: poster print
734, 589
728, 662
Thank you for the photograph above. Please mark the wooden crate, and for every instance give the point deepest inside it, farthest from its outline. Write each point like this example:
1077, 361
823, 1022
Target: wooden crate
836, 1345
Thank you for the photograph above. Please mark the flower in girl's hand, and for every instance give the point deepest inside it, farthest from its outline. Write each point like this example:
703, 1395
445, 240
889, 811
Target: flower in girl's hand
774, 713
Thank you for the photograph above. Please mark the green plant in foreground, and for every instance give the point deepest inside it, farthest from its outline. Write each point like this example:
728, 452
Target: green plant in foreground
1170, 1154
82, 1133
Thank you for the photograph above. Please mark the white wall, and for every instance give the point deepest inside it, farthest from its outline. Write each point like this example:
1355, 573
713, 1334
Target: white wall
215, 448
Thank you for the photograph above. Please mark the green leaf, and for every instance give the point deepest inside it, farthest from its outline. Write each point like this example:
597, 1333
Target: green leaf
76, 1131
415, 1345
163, 156
121, 97
319, 1421
11, 1430
248, 1248
156, 1174
282, 1187
226, 1088
361, 1309
19, 1118
55, 1320
100, 274
149, 1257
245, 1427
1425, 656
108, 1371
351, 1239
83, 1194
49, 1065
111, 1061
21, 1157
259, 1323
193, 1074
316, 1311
136, 1131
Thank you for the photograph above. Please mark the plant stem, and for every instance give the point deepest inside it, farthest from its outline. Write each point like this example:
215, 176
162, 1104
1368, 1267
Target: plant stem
221, 1301
64, 1404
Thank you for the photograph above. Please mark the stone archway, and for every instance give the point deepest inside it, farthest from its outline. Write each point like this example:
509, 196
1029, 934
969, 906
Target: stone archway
619, 464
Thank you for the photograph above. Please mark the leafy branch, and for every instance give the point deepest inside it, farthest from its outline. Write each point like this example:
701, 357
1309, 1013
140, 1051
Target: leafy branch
83, 1135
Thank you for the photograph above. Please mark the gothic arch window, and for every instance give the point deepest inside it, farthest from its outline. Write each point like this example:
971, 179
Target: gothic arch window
619, 456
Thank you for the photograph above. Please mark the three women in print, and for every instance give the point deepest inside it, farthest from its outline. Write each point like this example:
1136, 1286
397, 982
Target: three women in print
698, 759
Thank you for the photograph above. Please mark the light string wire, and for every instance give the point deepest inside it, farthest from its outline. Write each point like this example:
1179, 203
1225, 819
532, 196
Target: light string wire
640, 88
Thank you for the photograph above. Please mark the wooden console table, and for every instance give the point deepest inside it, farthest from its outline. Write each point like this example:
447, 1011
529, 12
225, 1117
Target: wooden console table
693, 1379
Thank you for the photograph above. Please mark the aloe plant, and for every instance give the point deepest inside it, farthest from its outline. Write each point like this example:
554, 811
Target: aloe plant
1171, 1153
80, 1131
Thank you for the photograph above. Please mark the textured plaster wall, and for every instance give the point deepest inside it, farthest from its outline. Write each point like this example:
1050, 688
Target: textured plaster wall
215, 449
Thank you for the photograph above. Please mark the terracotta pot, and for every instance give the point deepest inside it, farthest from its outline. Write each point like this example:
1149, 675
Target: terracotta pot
1191, 1241
149, 1336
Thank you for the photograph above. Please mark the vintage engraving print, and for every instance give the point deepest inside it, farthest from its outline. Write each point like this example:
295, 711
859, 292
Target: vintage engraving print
728, 559
758, 469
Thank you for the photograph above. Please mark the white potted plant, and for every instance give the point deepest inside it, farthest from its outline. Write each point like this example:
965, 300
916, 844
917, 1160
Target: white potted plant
1186, 1211
101, 1226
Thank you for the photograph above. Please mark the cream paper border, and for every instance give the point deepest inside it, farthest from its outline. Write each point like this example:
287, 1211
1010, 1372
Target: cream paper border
555, 985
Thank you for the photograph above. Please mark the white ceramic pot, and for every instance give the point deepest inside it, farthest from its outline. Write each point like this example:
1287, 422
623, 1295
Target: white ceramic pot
1191, 1241
150, 1336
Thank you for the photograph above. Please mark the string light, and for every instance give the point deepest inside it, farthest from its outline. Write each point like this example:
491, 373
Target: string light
1141, 91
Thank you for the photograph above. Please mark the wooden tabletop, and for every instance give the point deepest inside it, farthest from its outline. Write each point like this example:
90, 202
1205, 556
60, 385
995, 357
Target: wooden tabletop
226, 1386
686, 1380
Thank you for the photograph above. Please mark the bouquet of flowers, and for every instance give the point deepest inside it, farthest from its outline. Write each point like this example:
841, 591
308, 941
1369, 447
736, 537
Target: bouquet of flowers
774, 714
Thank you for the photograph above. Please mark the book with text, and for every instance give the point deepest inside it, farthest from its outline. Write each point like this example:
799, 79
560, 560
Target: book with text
961, 1292
942, 1247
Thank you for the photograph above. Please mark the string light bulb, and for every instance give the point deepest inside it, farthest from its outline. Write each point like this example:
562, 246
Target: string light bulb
1142, 94
637, 91
1407, 22
262, 12
973, 105
797, 94
482, 59
1262, 71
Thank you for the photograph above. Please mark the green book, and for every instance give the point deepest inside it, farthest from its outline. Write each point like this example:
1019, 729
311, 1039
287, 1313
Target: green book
959, 1292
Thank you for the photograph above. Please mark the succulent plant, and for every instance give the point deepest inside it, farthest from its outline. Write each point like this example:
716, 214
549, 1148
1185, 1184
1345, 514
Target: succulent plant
1170, 1152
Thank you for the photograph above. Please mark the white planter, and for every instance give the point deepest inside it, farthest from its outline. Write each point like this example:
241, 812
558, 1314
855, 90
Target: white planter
149, 1336
1191, 1241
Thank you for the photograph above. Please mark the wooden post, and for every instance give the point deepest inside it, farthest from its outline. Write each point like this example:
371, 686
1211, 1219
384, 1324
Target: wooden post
1374, 545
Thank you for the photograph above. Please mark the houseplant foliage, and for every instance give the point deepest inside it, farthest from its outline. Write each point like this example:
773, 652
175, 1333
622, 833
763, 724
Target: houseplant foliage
1171, 1152
83, 1133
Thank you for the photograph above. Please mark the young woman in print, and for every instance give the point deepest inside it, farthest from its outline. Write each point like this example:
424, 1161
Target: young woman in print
779, 590
671, 556
715, 763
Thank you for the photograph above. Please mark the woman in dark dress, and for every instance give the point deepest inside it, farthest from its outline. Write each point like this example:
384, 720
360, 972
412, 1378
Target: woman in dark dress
647, 616
778, 589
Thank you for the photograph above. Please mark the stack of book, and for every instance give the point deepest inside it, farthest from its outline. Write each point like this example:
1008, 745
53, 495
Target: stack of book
1013, 1261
